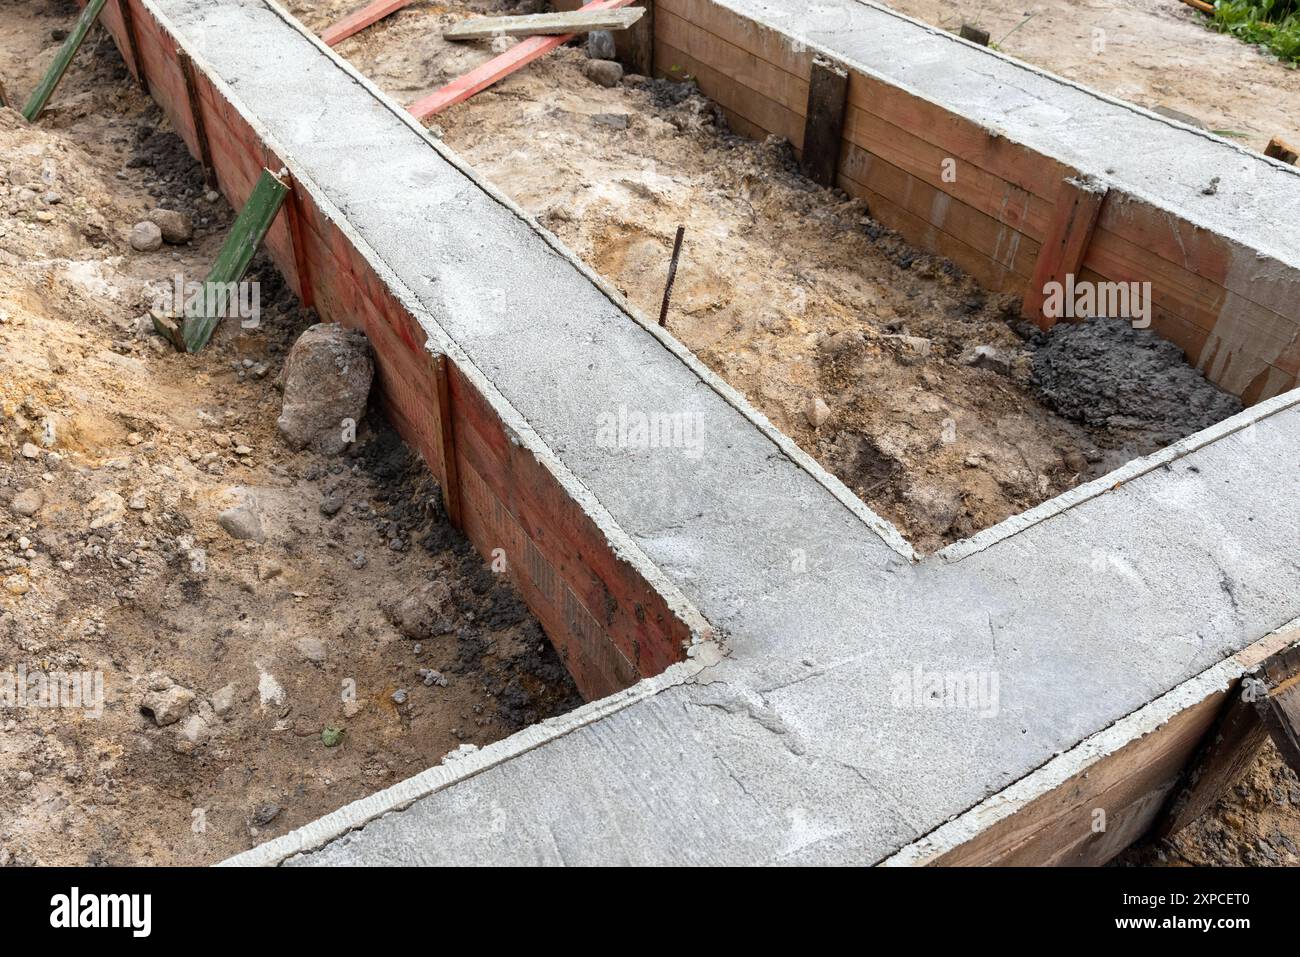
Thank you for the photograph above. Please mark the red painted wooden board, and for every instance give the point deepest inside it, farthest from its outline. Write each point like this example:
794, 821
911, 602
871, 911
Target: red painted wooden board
356, 22
498, 68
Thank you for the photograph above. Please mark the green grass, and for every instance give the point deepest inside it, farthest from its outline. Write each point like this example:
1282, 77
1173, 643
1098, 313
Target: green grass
1272, 24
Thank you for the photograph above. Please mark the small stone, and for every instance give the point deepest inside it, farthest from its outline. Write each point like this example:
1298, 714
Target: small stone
331, 737
223, 699
600, 45
617, 121
331, 503
176, 227
146, 237
106, 508
27, 502
817, 411
986, 357
431, 678
167, 707
134, 438
326, 384
138, 501
30, 451
359, 560
242, 522
399, 696
17, 585
194, 730
270, 570
211, 196
264, 814
311, 649
604, 72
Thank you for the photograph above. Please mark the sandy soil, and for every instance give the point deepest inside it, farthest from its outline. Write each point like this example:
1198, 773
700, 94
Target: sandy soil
1150, 52
123, 570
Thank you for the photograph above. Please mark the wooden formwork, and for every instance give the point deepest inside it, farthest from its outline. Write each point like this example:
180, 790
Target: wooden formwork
995, 217
609, 624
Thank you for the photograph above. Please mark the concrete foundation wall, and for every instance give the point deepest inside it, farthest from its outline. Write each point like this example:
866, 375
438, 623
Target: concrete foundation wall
589, 589
793, 746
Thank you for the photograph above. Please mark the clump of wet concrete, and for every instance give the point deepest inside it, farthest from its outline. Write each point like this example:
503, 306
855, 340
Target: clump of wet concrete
1108, 375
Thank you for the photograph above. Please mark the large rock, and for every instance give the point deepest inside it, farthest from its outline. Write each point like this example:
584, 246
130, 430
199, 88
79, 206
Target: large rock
176, 227
146, 237
604, 72
326, 383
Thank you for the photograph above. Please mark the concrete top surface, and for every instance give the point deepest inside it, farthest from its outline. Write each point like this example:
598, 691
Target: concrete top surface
797, 746
1167, 163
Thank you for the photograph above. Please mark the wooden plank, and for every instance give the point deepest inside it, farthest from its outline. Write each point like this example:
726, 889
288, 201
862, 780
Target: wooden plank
828, 92
132, 42
932, 210
1279, 708
298, 238
749, 35
748, 75
635, 46
497, 69
1078, 205
1257, 710
358, 21
761, 115
543, 24
451, 494
196, 117
45, 89
963, 180
974, 34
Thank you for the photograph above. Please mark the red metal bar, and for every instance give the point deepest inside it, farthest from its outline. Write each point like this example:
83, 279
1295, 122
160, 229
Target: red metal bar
356, 22
498, 68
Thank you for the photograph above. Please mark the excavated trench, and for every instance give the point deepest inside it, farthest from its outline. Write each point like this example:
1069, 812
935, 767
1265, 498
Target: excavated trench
923, 394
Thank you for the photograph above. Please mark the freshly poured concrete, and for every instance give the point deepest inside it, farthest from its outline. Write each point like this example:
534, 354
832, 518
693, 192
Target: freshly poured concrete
791, 747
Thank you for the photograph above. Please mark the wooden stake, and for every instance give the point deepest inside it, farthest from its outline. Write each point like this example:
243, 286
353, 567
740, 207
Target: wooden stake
447, 442
635, 47
1078, 204
498, 68
196, 116
356, 22
974, 34
823, 130
1267, 704
1279, 150
128, 24
45, 89
294, 209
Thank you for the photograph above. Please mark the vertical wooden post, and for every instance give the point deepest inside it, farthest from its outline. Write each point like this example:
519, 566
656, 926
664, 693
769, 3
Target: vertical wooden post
294, 208
1078, 204
823, 131
196, 116
128, 25
447, 441
635, 47
1267, 704
1279, 150
974, 34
